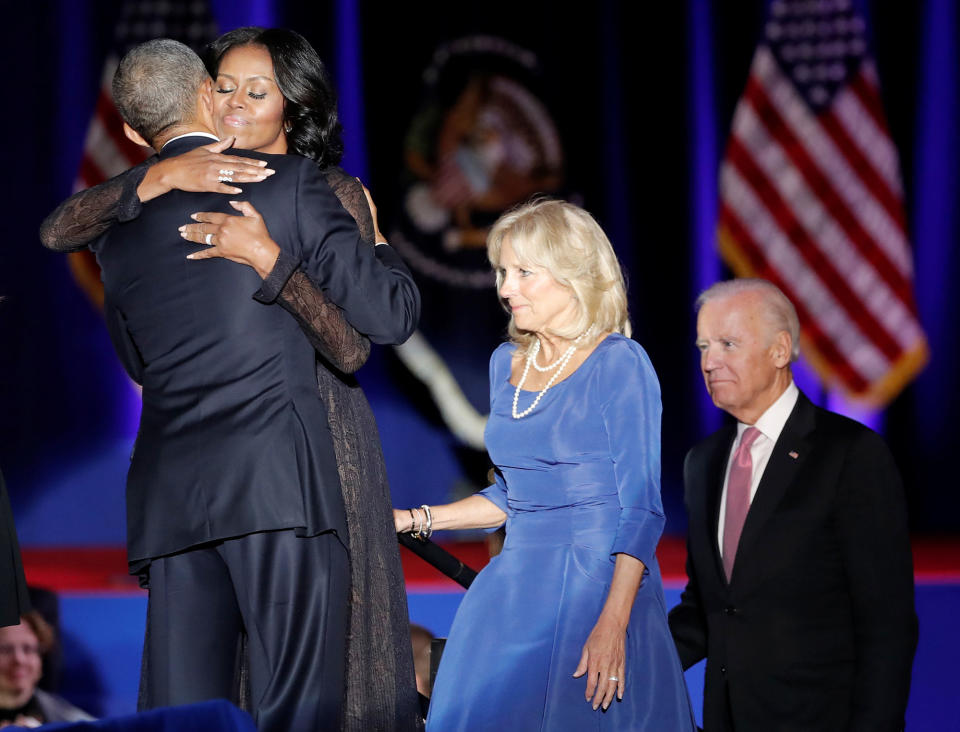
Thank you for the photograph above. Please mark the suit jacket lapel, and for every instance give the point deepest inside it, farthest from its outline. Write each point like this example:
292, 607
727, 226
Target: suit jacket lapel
788, 456
716, 472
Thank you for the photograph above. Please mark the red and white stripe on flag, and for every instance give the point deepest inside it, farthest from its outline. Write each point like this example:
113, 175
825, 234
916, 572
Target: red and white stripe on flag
811, 199
107, 151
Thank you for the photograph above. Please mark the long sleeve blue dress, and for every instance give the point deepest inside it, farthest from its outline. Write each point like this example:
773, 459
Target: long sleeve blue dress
579, 479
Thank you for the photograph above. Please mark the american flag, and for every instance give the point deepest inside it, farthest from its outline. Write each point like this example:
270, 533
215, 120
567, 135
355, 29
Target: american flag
106, 151
811, 198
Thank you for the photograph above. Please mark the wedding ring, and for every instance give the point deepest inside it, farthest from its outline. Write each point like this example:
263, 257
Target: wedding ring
612, 678
225, 172
225, 178
207, 239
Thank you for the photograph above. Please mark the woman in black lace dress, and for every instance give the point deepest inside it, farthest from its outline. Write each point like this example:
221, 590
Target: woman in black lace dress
380, 689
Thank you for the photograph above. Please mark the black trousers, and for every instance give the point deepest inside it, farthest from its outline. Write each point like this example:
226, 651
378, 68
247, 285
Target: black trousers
291, 597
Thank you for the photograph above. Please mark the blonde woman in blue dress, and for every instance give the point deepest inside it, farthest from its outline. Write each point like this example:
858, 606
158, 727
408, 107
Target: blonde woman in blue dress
566, 629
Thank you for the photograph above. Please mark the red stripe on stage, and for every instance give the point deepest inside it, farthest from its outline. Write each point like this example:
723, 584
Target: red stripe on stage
104, 569
824, 190
820, 340
872, 329
77, 569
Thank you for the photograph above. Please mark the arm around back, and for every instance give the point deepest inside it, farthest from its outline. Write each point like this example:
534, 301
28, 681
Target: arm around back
84, 216
372, 286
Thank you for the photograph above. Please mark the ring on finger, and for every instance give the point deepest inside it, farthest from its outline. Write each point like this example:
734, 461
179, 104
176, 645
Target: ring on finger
208, 239
225, 178
225, 171
609, 678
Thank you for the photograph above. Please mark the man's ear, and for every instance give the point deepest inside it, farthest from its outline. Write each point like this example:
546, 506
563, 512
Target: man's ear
782, 349
205, 101
134, 136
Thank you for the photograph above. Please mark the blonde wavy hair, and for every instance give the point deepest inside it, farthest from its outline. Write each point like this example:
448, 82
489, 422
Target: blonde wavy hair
566, 241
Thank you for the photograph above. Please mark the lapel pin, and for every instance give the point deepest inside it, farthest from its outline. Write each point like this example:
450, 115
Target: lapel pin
793, 454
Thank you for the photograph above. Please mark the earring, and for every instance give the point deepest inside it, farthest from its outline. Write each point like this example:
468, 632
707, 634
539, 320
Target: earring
287, 127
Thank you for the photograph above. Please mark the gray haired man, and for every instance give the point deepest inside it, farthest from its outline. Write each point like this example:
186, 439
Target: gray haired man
800, 580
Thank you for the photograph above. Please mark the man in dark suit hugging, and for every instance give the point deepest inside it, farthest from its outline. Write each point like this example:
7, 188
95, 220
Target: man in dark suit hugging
234, 509
800, 579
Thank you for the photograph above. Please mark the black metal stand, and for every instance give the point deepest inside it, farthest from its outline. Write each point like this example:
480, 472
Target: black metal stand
440, 559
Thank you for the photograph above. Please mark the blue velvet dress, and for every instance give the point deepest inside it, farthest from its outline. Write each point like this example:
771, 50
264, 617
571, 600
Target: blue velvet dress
579, 479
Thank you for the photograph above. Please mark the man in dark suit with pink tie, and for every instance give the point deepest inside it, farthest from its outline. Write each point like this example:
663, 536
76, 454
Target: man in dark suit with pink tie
800, 579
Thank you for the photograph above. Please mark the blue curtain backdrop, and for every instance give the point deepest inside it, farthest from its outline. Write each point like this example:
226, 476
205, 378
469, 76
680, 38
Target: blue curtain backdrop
642, 105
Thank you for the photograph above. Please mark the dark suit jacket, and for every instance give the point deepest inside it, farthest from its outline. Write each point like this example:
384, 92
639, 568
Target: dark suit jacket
816, 629
233, 434
14, 599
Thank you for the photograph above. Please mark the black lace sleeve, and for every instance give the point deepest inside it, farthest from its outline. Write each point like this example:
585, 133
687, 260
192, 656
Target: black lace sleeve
322, 321
86, 215
353, 199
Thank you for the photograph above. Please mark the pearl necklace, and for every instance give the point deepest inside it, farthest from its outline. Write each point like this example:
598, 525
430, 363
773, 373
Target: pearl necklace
534, 352
560, 364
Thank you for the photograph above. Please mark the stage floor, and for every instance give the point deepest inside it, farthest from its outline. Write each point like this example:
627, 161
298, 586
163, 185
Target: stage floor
103, 610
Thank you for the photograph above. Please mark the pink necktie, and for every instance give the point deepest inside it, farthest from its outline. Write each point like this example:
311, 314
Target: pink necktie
738, 498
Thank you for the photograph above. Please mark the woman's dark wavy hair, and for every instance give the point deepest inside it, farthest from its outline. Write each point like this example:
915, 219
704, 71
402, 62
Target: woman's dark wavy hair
311, 108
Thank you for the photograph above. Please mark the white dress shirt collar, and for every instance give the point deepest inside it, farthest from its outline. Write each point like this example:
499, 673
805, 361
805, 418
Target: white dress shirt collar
191, 134
772, 421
